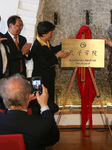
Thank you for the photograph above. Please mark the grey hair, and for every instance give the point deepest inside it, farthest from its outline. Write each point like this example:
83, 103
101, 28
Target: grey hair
15, 90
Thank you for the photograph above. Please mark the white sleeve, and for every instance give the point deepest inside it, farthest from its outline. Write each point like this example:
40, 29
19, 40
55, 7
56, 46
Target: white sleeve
44, 109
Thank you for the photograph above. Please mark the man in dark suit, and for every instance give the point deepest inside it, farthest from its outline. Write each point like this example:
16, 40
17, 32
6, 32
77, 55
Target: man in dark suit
39, 131
17, 45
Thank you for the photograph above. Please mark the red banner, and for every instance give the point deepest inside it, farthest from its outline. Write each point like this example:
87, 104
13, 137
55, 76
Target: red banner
86, 88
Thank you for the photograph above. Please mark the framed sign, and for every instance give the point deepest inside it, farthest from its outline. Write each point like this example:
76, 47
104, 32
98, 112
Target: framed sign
83, 53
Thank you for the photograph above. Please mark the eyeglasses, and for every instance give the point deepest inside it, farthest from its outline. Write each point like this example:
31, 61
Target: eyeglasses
19, 26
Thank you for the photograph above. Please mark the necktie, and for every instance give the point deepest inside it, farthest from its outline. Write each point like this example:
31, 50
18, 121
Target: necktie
17, 45
1, 64
16, 42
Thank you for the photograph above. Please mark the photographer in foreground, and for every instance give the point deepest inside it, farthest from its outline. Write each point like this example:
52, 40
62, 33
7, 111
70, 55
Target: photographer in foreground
39, 131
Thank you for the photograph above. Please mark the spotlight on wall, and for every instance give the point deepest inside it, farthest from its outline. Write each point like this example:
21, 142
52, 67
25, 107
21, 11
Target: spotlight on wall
87, 17
111, 16
56, 18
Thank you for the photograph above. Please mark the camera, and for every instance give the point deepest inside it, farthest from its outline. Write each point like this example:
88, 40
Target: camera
36, 83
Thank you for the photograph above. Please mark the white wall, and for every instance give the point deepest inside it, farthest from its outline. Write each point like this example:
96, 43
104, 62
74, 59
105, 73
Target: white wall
7, 8
26, 9
75, 119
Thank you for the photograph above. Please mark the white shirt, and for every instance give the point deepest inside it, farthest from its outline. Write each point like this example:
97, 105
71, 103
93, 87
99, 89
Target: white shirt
12, 36
44, 108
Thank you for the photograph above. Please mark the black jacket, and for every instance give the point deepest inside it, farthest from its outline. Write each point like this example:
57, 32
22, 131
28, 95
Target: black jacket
38, 131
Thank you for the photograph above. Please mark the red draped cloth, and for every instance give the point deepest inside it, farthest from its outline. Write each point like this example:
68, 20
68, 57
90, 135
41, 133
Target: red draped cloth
86, 88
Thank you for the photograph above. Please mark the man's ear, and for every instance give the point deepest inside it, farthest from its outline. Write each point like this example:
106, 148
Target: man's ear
10, 26
43, 35
29, 97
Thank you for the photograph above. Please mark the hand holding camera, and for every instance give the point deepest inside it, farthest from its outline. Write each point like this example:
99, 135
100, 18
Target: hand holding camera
43, 98
39, 90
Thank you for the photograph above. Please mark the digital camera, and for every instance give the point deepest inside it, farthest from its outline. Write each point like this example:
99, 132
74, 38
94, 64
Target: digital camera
36, 84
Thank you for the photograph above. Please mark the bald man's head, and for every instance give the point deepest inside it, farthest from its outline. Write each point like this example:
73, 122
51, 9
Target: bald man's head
15, 91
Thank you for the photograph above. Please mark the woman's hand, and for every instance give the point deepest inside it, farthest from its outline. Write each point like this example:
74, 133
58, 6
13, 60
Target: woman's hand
62, 54
108, 42
72, 37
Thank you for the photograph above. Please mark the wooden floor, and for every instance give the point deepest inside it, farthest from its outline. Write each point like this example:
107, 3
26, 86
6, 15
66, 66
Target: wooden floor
72, 139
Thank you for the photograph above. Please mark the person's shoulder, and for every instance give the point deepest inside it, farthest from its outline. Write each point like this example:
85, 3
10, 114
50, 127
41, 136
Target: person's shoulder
1, 34
6, 33
21, 36
36, 44
22, 39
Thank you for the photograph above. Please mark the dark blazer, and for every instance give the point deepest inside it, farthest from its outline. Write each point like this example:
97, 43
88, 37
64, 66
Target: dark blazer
38, 131
44, 61
43, 57
15, 55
